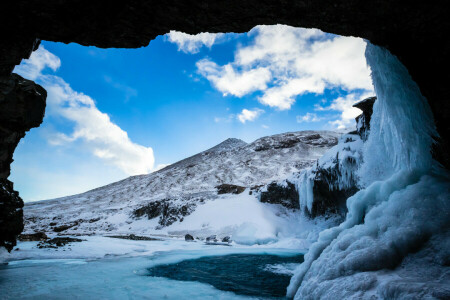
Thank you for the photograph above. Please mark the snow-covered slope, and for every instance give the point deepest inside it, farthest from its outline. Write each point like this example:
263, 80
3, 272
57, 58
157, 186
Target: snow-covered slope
163, 199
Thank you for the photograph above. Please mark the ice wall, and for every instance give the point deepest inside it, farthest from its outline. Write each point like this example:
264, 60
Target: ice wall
403, 209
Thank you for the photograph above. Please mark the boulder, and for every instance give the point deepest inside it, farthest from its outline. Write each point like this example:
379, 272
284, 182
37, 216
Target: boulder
37, 236
58, 242
229, 189
283, 193
188, 237
226, 239
212, 238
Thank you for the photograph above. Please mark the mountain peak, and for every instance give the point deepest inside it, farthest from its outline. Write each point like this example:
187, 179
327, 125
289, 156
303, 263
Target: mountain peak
228, 144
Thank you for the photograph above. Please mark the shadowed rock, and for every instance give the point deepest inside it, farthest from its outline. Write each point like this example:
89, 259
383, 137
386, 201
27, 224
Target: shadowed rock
285, 194
229, 189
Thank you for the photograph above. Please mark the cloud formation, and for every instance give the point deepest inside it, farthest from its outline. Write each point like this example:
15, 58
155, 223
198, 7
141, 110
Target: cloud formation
308, 117
189, 43
249, 115
284, 62
93, 128
345, 106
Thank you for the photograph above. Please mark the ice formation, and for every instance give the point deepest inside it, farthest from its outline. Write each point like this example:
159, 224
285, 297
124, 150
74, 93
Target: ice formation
394, 241
341, 162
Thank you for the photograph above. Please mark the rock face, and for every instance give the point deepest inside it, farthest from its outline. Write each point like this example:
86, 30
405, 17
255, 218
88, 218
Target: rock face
284, 193
363, 120
38, 236
11, 214
229, 189
22, 105
324, 188
168, 211
330, 199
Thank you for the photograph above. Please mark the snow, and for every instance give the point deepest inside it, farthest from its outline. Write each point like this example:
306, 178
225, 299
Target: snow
404, 207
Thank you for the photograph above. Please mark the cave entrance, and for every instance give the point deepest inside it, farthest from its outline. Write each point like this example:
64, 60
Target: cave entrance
114, 113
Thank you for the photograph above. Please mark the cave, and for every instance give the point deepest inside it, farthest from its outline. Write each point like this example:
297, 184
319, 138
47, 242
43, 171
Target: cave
410, 31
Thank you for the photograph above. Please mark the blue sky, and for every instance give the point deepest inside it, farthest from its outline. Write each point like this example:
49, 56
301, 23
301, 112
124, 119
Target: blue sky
112, 113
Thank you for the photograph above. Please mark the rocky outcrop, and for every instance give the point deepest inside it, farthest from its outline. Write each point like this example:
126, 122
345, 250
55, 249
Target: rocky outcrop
58, 242
363, 120
229, 189
22, 105
169, 211
133, 237
283, 193
11, 214
330, 198
38, 236
325, 188
292, 139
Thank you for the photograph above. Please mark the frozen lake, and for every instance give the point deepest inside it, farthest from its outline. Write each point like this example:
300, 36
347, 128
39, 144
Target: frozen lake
169, 269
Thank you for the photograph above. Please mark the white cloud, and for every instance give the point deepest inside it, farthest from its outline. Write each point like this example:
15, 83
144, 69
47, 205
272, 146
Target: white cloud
189, 43
309, 117
39, 60
229, 80
345, 106
284, 62
93, 128
249, 115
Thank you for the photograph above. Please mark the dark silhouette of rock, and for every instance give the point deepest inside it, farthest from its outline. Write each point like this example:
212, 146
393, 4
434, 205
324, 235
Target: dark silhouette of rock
229, 189
22, 105
38, 236
188, 237
226, 239
363, 120
281, 193
134, 237
168, 210
58, 242
11, 214
212, 238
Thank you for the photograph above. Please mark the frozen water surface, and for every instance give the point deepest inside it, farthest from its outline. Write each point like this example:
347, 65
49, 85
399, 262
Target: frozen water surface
119, 269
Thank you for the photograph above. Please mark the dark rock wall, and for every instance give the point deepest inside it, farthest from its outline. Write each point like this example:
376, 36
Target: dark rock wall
363, 120
281, 193
22, 105
328, 198
11, 214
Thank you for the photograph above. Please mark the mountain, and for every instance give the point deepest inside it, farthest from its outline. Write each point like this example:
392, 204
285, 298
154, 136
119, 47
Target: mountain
148, 203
